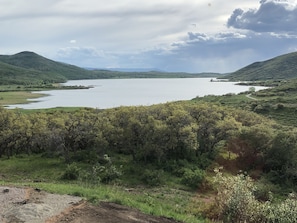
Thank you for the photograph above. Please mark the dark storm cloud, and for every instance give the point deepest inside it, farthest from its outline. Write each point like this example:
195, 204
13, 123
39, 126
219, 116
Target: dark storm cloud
222, 52
271, 16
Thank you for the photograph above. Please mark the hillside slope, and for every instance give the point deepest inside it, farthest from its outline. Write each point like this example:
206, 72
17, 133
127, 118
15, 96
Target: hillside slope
10, 74
281, 67
37, 64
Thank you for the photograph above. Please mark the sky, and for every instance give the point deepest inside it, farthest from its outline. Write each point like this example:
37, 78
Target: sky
170, 35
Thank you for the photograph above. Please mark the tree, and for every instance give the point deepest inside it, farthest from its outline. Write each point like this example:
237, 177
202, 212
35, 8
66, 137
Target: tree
281, 159
251, 144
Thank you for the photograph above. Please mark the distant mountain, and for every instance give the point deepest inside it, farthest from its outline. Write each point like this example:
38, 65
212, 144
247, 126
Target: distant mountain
30, 68
136, 69
281, 67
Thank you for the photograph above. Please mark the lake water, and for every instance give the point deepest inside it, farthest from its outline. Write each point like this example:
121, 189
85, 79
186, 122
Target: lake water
109, 93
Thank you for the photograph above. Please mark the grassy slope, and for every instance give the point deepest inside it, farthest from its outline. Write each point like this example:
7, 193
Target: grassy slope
10, 74
24, 170
278, 103
57, 71
281, 67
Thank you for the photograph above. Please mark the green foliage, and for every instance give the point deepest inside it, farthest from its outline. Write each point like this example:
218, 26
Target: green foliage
164, 201
104, 172
281, 67
150, 134
171, 136
152, 177
278, 102
281, 159
72, 172
108, 172
236, 202
193, 178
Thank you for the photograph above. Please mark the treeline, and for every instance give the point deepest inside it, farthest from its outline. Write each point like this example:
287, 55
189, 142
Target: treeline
159, 134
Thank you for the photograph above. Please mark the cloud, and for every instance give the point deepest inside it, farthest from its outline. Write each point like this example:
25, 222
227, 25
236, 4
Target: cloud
219, 52
271, 16
175, 35
83, 56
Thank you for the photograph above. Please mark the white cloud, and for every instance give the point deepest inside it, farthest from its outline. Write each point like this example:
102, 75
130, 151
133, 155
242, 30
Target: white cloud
157, 33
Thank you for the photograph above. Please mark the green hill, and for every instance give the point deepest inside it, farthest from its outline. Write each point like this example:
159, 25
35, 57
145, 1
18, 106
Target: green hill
278, 68
10, 74
28, 66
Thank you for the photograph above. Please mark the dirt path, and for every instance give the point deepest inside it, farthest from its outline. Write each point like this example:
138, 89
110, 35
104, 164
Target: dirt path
250, 97
27, 205
105, 212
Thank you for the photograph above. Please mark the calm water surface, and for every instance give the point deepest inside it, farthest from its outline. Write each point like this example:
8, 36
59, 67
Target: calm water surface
109, 93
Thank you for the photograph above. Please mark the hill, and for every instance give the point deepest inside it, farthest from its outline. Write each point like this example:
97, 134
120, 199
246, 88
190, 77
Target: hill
277, 68
10, 74
28, 67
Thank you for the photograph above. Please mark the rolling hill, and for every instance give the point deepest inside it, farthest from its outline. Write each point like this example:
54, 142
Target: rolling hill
10, 74
277, 68
28, 67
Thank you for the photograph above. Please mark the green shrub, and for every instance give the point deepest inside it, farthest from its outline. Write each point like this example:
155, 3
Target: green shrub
72, 172
236, 202
152, 177
101, 173
109, 173
193, 178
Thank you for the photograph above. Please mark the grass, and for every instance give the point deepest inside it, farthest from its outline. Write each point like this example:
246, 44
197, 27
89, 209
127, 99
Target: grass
45, 173
278, 103
51, 110
17, 97
228, 99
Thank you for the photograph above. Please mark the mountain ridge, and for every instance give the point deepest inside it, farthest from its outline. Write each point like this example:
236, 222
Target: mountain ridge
277, 68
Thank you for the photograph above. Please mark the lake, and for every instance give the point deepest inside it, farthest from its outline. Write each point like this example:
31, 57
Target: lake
110, 93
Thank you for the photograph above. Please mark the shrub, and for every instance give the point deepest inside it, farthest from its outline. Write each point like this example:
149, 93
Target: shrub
280, 106
109, 173
72, 172
152, 177
236, 202
101, 173
193, 178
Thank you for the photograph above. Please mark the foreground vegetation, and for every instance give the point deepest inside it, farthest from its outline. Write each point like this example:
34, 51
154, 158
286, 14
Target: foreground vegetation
46, 173
149, 154
159, 159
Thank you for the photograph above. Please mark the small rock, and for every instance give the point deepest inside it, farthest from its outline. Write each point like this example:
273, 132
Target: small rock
37, 189
5, 191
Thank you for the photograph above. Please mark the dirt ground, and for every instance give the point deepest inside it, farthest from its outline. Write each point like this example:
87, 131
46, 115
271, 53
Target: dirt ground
28, 205
105, 213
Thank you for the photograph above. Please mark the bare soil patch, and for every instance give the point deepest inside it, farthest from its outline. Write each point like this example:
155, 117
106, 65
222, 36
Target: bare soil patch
28, 205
